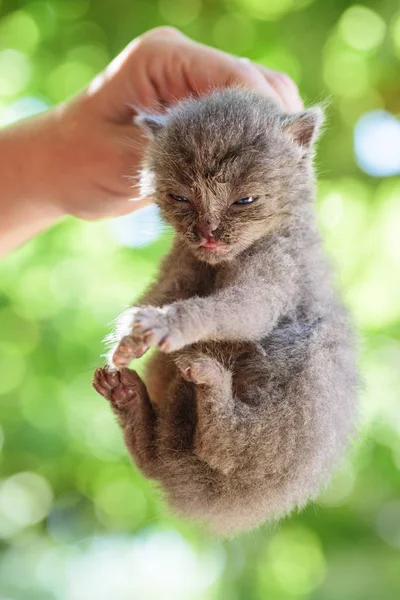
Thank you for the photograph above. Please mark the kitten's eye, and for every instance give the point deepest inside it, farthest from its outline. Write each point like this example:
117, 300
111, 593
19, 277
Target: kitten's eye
247, 200
178, 198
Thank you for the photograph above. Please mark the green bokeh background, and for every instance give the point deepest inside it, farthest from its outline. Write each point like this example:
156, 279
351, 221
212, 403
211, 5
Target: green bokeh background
77, 522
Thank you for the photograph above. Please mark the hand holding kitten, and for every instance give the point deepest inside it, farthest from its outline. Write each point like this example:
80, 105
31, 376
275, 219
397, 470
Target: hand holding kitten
81, 156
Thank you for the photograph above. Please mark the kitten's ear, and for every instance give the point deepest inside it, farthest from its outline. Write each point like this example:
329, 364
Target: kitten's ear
152, 124
303, 127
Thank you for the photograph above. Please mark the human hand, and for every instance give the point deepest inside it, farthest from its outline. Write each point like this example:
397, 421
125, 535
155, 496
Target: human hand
81, 157
95, 147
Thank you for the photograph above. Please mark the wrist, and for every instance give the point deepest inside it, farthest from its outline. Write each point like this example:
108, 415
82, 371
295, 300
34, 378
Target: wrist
27, 204
27, 158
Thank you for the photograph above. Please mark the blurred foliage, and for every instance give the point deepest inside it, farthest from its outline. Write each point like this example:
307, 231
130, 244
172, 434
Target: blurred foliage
77, 522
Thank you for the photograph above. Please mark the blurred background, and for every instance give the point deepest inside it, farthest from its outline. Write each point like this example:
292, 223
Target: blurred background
77, 522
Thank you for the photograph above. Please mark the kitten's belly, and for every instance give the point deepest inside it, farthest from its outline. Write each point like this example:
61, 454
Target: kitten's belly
259, 369
253, 371
256, 372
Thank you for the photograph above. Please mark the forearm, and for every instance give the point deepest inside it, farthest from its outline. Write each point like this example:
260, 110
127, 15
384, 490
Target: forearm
26, 206
246, 309
235, 314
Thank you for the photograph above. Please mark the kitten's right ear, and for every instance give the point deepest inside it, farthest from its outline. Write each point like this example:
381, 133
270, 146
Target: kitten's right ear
303, 127
152, 124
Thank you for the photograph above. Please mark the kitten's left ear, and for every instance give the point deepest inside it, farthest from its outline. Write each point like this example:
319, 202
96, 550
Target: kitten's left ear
152, 124
303, 127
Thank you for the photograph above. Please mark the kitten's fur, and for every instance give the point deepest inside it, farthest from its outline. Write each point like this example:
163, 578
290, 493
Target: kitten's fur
253, 391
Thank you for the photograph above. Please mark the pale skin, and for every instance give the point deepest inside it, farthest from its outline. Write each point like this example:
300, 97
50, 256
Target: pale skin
81, 157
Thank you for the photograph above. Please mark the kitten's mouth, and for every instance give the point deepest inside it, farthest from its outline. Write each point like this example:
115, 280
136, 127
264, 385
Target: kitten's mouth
214, 246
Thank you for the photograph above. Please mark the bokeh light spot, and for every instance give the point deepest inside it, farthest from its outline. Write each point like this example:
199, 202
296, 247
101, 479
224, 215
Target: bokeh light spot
339, 488
362, 28
234, 34
346, 72
377, 143
15, 72
352, 108
19, 31
103, 436
21, 335
331, 210
44, 17
123, 500
179, 12
12, 368
94, 56
395, 33
388, 523
380, 400
86, 32
40, 302
294, 564
23, 107
154, 565
70, 10
71, 518
282, 59
270, 10
25, 499
67, 79
139, 228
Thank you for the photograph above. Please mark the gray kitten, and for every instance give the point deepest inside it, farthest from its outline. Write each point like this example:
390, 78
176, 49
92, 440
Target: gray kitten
250, 397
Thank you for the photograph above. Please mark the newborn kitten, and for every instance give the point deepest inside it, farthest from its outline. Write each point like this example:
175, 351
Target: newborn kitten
249, 399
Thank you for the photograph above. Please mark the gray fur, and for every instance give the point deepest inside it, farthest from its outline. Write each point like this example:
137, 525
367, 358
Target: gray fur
250, 397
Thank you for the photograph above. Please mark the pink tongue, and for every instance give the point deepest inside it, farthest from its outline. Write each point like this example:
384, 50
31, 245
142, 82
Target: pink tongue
210, 244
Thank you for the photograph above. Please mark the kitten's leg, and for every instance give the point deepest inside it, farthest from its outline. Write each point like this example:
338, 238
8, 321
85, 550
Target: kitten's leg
217, 415
129, 400
188, 481
177, 424
246, 309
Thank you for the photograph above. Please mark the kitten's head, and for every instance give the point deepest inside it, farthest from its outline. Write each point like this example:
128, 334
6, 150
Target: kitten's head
227, 168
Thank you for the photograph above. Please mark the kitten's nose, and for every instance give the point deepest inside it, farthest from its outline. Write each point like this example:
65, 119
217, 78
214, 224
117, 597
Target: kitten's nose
206, 227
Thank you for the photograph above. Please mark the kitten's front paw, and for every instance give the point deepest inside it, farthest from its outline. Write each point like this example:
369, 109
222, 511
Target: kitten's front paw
157, 327
128, 348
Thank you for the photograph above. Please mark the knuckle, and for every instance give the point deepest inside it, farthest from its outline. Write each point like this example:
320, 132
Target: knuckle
285, 80
164, 31
245, 70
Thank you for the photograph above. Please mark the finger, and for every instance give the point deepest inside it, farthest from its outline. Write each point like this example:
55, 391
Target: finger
255, 77
111, 208
284, 86
135, 204
204, 69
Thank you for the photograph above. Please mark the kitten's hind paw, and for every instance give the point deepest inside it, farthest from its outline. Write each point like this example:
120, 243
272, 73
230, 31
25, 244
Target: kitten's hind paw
119, 387
201, 369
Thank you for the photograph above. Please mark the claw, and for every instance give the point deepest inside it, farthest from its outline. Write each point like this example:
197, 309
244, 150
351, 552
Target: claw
99, 389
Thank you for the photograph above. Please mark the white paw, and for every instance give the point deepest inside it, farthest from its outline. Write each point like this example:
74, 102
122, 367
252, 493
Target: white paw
156, 327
